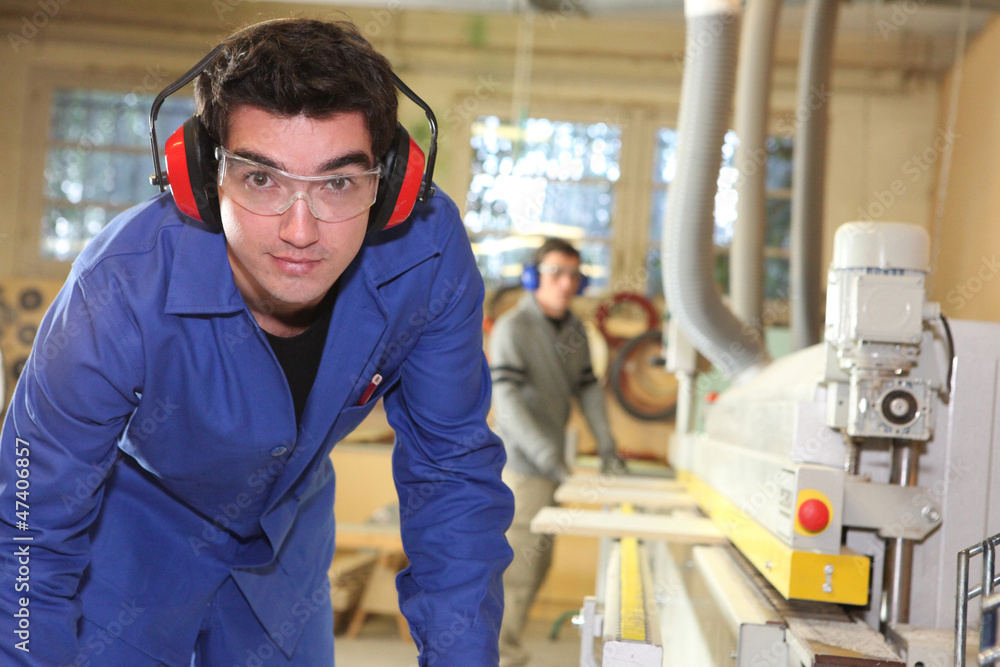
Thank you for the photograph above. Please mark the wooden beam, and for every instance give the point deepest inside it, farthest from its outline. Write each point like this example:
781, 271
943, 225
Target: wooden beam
593, 523
595, 494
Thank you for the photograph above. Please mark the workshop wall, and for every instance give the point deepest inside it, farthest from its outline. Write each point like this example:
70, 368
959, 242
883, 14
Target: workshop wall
966, 257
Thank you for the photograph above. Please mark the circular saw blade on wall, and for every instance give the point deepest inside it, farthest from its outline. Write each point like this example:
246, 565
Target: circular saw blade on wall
23, 302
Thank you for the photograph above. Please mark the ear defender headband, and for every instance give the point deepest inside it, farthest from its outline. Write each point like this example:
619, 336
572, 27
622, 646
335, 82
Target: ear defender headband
530, 279
191, 164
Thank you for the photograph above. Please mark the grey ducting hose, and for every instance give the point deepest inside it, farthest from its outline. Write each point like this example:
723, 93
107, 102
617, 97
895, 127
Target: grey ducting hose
809, 173
688, 257
753, 96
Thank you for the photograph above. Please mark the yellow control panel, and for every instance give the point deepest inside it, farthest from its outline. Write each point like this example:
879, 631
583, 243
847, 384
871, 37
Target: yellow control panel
841, 578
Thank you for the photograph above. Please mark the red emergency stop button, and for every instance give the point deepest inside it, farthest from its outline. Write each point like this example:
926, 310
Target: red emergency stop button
814, 515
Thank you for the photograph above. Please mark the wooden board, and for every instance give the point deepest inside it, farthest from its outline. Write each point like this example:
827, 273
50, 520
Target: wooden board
594, 493
594, 523
730, 589
361, 536
625, 482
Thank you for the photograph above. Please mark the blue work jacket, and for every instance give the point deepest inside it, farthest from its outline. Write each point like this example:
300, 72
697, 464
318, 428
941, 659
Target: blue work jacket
151, 449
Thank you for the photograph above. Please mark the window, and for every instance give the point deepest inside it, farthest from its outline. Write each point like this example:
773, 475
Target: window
778, 204
537, 179
98, 162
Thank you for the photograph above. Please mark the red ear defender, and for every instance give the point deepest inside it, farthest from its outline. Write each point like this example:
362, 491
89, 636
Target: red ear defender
399, 186
191, 172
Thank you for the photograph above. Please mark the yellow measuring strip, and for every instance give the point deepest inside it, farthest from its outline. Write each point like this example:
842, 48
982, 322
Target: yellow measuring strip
633, 607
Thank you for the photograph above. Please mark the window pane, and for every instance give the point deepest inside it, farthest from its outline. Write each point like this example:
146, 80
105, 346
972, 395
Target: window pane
779, 223
98, 162
666, 156
776, 272
537, 179
725, 196
779, 163
654, 265
659, 211
501, 260
665, 169
778, 207
585, 207
596, 257
67, 230
722, 271
535, 205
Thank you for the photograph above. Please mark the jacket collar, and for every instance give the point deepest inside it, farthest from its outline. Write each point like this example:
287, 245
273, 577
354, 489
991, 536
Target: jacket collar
201, 280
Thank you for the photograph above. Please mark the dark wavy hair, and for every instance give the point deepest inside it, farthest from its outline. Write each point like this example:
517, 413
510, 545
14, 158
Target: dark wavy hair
300, 66
555, 245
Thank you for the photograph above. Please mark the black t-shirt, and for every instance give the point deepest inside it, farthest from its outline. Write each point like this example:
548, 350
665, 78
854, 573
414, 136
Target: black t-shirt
558, 323
300, 355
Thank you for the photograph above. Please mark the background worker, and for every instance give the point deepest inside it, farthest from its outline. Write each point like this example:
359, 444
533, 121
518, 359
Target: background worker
540, 361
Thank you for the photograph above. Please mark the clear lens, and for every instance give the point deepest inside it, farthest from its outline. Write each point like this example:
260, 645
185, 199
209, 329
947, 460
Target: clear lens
268, 191
560, 271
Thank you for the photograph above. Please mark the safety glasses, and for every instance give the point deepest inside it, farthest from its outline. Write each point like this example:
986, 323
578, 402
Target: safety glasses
269, 191
560, 271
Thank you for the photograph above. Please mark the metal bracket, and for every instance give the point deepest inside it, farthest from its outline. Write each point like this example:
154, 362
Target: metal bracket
762, 645
591, 624
924, 646
631, 654
895, 511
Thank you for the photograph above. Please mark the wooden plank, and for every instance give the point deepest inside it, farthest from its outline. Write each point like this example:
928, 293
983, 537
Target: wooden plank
365, 536
595, 523
823, 634
842, 644
596, 494
625, 482
730, 590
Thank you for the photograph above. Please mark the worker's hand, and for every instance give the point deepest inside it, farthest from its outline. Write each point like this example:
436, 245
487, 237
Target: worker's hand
614, 465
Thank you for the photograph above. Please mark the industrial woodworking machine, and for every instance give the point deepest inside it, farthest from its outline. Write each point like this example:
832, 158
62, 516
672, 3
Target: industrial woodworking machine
852, 483
854, 472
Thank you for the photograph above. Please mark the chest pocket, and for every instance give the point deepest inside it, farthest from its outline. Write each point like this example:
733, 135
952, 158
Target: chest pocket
363, 399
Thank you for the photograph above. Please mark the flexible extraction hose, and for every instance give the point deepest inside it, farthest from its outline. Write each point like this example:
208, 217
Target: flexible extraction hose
809, 173
688, 257
753, 94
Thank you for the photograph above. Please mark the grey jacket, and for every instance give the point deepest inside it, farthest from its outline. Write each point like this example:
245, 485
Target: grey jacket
536, 370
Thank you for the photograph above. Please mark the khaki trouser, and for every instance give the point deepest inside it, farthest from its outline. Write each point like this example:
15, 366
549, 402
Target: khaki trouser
532, 558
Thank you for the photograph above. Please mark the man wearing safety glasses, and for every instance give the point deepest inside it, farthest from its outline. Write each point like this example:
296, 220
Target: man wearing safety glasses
540, 362
165, 481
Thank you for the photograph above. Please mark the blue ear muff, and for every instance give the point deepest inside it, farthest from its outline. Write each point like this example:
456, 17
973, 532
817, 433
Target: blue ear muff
529, 277
530, 280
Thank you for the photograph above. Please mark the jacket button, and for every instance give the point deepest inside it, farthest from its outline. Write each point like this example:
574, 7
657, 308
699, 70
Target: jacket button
279, 450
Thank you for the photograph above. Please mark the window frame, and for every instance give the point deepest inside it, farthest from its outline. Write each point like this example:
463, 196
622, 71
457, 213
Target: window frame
623, 238
31, 203
776, 128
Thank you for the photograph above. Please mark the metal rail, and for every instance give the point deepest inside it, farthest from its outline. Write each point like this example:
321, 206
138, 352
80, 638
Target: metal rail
989, 650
